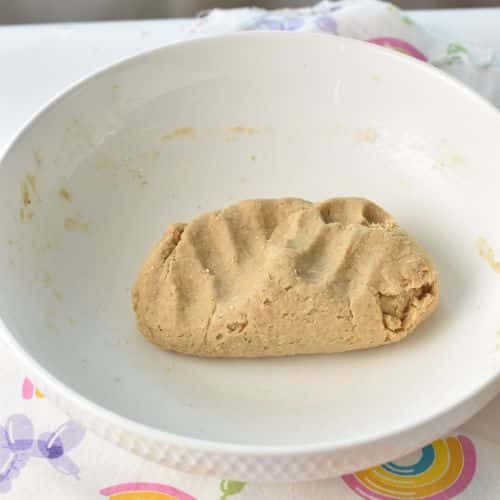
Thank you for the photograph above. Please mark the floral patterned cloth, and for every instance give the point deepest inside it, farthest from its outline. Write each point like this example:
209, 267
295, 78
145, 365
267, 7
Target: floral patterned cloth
43, 455
46, 456
373, 21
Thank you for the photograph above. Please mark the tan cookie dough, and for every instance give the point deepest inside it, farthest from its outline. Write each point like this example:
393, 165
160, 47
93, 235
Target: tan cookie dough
283, 277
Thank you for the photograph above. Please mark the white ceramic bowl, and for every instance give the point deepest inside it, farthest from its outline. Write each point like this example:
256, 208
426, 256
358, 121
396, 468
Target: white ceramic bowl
94, 180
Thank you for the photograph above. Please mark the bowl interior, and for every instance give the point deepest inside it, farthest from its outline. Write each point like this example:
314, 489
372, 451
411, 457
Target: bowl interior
92, 184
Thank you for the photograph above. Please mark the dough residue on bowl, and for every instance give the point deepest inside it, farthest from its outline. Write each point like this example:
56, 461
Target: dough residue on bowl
486, 252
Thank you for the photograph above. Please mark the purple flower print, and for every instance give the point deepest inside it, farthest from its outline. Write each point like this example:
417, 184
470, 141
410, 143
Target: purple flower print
269, 24
11, 464
18, 445
55, 445
18, 433
292, 23
16, 442
326, 24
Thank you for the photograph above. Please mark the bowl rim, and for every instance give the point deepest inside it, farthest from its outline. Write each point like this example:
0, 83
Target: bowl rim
207, 445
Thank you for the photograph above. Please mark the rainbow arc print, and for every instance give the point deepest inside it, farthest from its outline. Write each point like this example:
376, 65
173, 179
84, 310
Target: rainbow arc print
144, 491
439, 471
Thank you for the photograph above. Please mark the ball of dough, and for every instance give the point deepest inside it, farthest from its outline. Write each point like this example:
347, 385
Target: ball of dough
283, 277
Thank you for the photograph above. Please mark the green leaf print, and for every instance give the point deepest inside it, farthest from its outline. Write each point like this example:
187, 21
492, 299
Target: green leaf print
407, 20
456, 48
229, 488
394, 8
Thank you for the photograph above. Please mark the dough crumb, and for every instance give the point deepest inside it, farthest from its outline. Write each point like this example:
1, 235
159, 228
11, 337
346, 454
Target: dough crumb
65, 195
